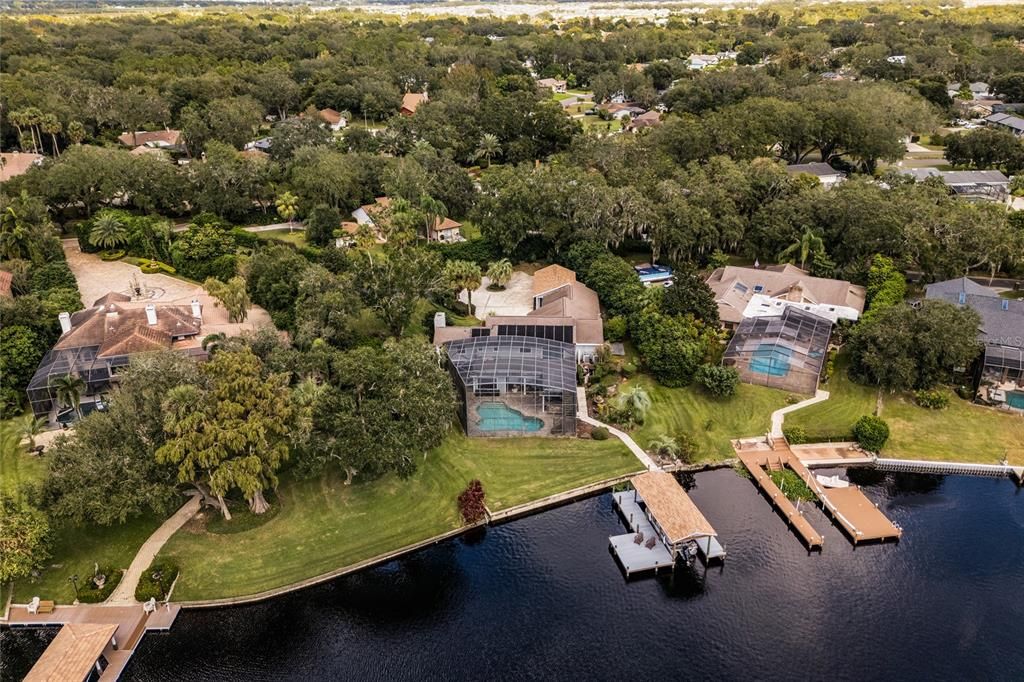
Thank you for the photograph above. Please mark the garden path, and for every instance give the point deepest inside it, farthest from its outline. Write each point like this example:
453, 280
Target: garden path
124, 593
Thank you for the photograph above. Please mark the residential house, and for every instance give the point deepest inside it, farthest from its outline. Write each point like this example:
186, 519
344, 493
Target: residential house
411, 101
256, 154
646, 120
556, 85
1003, 121
98, 342
364, 215
999, 375
445, 231
262, 144
832, 76
764, 292
702, 61
621, 110
564, 310
976, 185
900, 59
147, 150
168, 139
334, 120
826, 174
13, 164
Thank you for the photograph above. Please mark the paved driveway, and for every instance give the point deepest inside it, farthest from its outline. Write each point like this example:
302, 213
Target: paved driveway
514, 301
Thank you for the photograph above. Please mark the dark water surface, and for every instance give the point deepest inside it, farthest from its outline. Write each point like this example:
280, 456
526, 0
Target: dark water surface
541, 598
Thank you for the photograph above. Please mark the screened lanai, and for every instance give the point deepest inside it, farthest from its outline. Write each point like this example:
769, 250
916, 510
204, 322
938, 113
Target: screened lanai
514, 385
786, 351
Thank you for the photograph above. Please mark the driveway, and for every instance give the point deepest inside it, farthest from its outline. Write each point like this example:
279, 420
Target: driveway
516, 299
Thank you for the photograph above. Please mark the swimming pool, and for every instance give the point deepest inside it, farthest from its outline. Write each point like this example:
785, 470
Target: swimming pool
1015, 399
771, 359
653, 273
497, 416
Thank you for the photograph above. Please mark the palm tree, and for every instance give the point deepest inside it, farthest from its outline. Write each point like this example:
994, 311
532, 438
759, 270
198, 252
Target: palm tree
17, 119
806, 246
500, 272
68, 389
29, 426
76, 132
637, 402
51, 125
434, 212
487, 148
463, 274
288, 207
108, 231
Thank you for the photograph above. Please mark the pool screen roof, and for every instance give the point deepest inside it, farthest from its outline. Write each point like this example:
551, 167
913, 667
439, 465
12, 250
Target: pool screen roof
800, 335
526, 360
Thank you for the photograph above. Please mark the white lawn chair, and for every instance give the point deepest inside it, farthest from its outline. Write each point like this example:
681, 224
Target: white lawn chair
149, 606
33, 606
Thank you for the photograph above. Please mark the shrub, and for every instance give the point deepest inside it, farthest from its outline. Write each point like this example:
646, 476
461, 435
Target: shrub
931, 399
10, 403
795, 435
600, 433
156, 581
88, 593
55, 275
664, 445
151, 267
615, 328
871, 432
112, 255
471, 502
718, 381
688, 451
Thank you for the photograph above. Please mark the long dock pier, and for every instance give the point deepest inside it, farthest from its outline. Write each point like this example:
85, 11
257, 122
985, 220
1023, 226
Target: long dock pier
755, 462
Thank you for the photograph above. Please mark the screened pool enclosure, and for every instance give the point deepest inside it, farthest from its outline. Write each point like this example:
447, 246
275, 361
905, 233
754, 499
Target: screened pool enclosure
785, 351
514, 385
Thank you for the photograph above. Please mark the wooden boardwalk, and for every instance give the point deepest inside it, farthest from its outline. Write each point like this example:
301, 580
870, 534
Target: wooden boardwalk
755, 462
849, 507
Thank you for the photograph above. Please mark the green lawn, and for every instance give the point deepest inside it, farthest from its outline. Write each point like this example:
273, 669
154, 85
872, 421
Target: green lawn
961, 432
596, 125
17, 467
77, 550
296, 237
847, 403
324, 525
711, 423
1013, 294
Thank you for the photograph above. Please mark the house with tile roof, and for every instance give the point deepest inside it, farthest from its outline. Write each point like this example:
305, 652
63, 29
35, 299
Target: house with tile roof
162, 139
765, 292
563, 310
13, 164
411, 101
98, 342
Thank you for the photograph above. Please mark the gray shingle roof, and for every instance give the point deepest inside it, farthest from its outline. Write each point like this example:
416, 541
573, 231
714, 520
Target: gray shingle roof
1002, 319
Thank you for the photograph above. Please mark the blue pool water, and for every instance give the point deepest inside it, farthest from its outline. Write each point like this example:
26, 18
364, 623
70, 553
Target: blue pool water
654, 273
1015, 399
497, 416
771, 359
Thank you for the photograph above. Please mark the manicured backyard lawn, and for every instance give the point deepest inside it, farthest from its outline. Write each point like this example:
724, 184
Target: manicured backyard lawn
847, 403
17, 467
711, 423
961, 432
297, 237
324, 525
77, 550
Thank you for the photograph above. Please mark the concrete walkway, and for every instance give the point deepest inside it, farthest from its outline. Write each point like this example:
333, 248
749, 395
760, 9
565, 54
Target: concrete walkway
779, 416
124, 593
583, 416
183, 227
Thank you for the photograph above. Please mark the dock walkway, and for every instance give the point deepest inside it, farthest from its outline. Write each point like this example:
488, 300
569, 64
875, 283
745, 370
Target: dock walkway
131, 621
755, 463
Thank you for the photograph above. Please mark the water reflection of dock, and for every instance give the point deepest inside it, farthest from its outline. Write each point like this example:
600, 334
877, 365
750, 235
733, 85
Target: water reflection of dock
95, 639
666, 522
849, 507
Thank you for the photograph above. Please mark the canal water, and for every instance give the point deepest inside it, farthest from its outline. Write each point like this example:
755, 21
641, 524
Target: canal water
541, 598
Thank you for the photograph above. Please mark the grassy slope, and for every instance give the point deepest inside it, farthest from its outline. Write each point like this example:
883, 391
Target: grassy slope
297, 237
16, 466
847, 403
675, 410
961, 432
324, 525
76, 550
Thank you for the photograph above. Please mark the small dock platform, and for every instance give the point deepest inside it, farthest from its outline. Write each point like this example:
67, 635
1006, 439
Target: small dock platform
755, 462
636, 558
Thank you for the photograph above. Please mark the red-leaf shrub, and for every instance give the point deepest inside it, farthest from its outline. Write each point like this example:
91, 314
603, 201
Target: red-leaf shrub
471, 502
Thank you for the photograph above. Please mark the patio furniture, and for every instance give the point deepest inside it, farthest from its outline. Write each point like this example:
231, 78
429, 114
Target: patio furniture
33, 606
46, 606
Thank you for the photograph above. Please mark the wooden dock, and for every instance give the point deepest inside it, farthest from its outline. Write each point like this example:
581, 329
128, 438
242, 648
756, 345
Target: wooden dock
636, 558
755, 462
848, 507
132, 624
